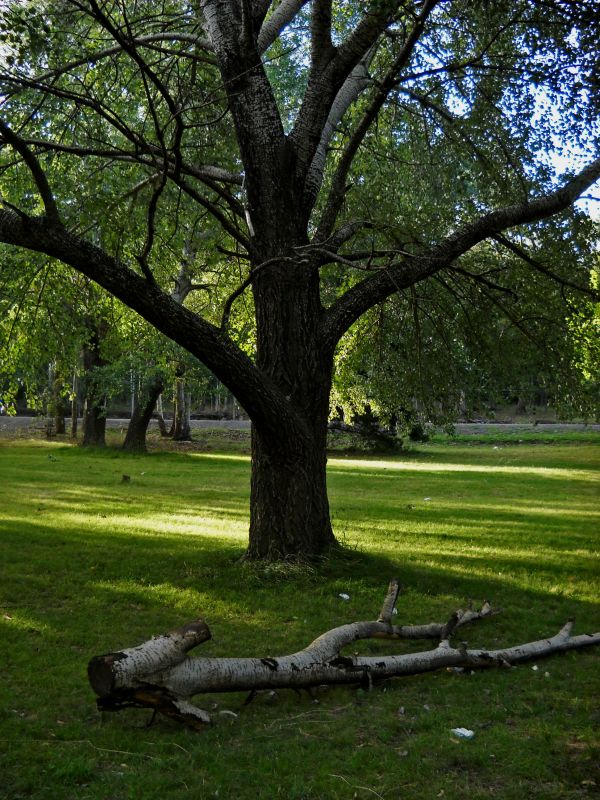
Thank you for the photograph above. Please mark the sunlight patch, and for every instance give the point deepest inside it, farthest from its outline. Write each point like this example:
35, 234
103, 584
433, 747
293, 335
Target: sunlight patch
349, 465
16, 618
160, 524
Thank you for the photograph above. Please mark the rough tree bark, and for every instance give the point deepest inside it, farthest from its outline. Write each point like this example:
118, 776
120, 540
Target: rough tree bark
160, 675
289, 508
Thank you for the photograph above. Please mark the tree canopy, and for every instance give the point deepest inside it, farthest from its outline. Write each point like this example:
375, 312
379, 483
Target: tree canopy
315, 158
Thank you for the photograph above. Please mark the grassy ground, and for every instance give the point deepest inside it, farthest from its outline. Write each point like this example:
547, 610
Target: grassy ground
89, 563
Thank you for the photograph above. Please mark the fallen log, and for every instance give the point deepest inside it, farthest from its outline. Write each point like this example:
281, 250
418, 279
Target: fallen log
159, 674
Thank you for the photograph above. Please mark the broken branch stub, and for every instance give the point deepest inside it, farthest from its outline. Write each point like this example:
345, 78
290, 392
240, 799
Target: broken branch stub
159, 674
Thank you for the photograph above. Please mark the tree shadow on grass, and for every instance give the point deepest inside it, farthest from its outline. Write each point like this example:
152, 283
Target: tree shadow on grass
166, 580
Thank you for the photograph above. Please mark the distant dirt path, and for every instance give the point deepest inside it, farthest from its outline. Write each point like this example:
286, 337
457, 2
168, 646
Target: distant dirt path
12, 424
523, 427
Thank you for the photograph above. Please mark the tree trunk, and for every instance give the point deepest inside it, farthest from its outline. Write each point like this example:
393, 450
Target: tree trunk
160, 675
59, 414
289, 509
74, 407
135, 438
94, 424
94, 404
56, 400
181, 413
74, 418
162, 425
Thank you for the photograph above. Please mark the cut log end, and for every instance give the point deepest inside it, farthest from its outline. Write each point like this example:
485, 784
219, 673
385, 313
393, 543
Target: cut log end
101, 673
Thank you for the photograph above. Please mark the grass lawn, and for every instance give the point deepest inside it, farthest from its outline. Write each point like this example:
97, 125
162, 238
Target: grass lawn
90, 564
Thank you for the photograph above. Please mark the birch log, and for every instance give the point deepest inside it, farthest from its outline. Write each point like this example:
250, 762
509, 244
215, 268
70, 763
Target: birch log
160, 674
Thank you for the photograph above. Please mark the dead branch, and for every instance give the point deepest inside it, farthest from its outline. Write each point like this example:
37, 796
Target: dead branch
159, 674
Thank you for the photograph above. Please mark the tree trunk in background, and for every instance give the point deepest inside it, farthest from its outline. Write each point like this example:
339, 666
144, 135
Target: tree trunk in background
57, 407
162, 425
94, 405
59, 410
94, 424
74, 418
181, 413
135, 439
74, 407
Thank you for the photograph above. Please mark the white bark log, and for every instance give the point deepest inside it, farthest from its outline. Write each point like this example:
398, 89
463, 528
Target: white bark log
158, 674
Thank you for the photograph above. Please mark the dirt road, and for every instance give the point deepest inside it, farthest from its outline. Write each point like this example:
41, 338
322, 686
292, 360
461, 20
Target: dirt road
12, 424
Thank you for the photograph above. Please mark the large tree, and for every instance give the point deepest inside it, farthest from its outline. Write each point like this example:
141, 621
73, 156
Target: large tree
334, 152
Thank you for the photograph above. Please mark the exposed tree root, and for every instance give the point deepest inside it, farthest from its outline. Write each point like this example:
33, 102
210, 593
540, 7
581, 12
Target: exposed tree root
160, 674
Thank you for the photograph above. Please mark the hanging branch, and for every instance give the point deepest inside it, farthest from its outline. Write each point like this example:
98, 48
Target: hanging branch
544, 270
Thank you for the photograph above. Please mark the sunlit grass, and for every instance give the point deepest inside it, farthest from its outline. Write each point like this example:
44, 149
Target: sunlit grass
363, 466
91, 563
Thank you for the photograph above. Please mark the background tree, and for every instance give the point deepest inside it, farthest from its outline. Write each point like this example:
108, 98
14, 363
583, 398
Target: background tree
339, 152
41, 333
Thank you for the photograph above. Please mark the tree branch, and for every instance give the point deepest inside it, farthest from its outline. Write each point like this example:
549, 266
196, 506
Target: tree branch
354, 85
256, 117
277, 21
338, 185
142, 258
159, 674
320, 32
137, 41
415, 268
328, 74
38, 174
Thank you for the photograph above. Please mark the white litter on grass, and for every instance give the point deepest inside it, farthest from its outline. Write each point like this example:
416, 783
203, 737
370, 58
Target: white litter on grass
427, 499
227, 713
394, 611
344, 596
463, 733
535, 668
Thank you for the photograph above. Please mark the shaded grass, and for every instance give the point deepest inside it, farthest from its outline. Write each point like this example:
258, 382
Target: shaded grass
90, 564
